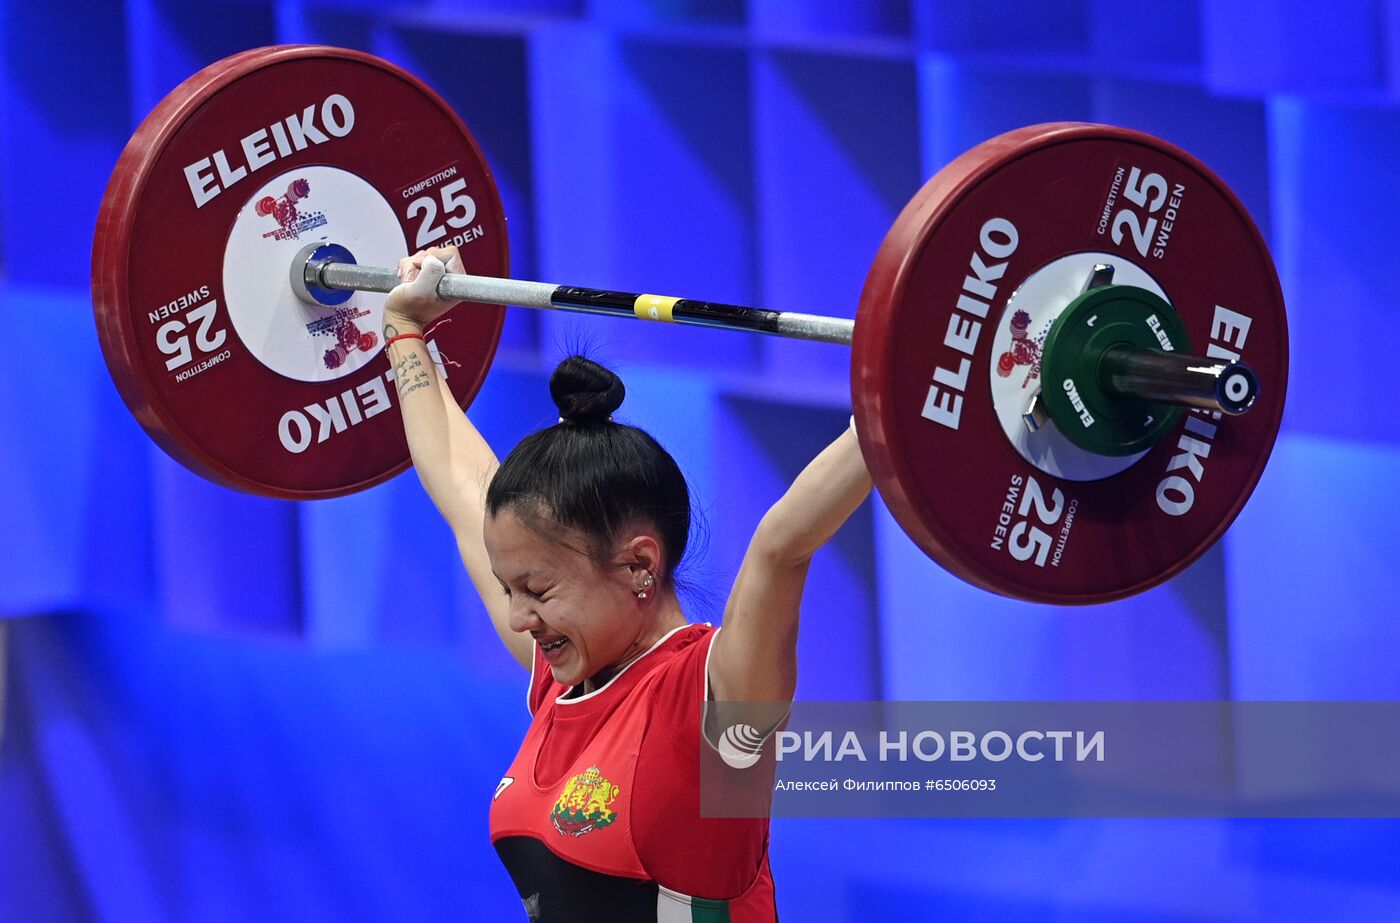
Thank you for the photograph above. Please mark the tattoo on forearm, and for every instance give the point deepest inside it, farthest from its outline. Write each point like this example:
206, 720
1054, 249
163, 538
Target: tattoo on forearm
411, 375
390, 331
418, 382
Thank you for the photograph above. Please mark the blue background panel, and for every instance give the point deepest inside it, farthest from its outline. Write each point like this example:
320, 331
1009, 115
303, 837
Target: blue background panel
221, 707
1047, 28
1262, 47
1321, 531
645, 184
780, 20
838, 172
1334, 193
61, 112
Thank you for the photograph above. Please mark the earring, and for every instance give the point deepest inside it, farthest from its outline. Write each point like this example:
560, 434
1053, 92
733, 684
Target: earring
646, 584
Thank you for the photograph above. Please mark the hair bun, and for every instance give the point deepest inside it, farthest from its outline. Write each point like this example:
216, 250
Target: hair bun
584, 391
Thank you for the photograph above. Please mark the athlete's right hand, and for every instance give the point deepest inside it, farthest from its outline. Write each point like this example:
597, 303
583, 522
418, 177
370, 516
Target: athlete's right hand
413, 303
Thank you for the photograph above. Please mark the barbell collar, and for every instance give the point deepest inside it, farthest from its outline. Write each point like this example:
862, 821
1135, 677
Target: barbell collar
1174, 378
334, 274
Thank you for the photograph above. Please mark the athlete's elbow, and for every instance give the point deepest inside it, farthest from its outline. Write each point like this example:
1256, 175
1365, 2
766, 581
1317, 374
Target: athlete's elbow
782, 543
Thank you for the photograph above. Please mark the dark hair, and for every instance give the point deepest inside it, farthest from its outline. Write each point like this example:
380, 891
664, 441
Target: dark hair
593, 475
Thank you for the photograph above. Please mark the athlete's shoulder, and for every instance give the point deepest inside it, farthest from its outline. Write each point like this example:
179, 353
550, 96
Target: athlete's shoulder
692, 642
680, 668
694, 633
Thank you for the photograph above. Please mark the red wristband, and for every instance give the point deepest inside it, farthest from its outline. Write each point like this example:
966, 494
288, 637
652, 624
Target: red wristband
403, 336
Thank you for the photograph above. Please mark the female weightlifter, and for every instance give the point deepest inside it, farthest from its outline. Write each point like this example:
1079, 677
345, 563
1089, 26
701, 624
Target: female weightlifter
573, 544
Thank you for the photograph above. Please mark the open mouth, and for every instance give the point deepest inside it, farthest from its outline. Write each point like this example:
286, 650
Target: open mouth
554, 645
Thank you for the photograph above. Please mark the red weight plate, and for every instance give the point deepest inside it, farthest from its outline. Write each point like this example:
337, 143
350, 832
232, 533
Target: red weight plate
239, 168
947, 343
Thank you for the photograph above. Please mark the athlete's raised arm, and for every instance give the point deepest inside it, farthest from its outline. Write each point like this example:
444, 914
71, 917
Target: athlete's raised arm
755, 656
452, 459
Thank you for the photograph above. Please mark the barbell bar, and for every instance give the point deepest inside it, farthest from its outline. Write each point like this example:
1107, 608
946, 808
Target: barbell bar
1127, 372
322, 268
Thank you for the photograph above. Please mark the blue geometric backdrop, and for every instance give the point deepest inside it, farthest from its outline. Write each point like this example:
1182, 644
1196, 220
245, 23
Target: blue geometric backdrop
211, 711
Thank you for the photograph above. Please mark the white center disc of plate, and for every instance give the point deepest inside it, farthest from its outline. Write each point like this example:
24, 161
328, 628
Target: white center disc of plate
303, 206
1016, 355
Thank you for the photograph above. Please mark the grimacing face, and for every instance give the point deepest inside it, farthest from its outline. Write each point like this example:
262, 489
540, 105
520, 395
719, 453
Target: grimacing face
585, 617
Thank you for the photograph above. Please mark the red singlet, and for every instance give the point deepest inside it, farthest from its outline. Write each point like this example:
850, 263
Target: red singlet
598, 818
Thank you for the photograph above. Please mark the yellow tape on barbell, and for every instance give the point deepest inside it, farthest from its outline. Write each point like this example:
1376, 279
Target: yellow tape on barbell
655, 307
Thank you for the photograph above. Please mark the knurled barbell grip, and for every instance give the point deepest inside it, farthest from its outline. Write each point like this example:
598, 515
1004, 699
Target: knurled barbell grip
1174, 378
340, 276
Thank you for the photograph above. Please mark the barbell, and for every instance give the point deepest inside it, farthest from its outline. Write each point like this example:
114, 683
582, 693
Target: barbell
1068, 359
